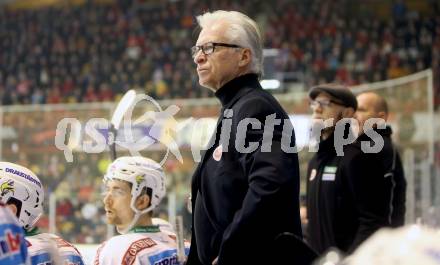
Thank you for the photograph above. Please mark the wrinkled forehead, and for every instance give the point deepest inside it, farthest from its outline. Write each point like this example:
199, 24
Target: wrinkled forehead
213, 32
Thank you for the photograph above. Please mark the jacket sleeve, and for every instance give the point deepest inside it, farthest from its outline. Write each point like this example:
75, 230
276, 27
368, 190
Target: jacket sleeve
399, 195
371, 193
193, 258
272, 198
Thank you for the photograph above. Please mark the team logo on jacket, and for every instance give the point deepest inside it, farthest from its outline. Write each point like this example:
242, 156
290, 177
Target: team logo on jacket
329, 173
217, 155
312, 175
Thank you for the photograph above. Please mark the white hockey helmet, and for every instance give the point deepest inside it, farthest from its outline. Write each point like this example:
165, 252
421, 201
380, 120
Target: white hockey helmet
21, 187
142, 173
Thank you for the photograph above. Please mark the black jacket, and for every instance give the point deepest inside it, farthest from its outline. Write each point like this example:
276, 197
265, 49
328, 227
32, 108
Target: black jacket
392, 163
242, 201
348, 197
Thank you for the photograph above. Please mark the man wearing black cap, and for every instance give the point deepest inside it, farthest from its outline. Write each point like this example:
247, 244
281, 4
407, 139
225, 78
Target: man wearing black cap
345, 197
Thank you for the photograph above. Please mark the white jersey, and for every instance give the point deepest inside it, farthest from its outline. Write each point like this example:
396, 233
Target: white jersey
141, 246
13, 249
46, 248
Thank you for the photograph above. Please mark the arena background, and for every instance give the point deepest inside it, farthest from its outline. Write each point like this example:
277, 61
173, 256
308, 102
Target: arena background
75, 59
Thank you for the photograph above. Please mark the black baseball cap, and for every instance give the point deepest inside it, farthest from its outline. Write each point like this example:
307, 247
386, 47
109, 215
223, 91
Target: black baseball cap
338, 92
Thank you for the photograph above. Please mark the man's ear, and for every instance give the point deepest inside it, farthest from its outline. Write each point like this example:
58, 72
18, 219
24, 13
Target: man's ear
245, 58
348, 112
383, 115
142, 202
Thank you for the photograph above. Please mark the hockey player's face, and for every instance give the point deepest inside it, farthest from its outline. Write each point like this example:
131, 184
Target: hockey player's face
117, 198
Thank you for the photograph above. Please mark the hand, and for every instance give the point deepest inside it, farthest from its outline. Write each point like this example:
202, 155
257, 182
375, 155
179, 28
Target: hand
215, 262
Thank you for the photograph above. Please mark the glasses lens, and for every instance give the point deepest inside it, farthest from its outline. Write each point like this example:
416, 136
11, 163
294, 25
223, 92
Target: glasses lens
194, 51
209, 48
320, 103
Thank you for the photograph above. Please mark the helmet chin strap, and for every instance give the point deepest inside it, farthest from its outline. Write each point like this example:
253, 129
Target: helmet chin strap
133, 222
32, 224
137, 213
130, 225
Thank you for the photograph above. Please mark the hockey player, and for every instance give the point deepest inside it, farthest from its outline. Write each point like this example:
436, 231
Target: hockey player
134, 186
22, 192
13, 246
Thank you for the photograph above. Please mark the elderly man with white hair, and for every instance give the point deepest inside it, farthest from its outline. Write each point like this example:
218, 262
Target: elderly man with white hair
245, 190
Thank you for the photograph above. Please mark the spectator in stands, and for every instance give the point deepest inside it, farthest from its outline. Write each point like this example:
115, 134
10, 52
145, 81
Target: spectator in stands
370, 106
105, 40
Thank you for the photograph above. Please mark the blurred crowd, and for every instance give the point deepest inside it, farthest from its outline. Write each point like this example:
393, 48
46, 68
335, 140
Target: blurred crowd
94, 52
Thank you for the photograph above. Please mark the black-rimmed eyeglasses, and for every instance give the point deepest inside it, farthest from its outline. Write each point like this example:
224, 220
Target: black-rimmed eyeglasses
323, 103
209, 48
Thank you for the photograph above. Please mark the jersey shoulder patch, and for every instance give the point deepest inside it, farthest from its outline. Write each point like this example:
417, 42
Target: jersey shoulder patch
134, 249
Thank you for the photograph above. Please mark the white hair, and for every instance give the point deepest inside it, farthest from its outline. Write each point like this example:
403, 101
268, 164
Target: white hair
241, 30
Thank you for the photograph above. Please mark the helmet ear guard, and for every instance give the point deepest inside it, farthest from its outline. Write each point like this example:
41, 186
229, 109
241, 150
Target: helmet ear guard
21, 187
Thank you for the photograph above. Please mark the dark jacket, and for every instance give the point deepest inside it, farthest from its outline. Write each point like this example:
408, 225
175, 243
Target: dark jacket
348, 197
392, 163
242, 201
